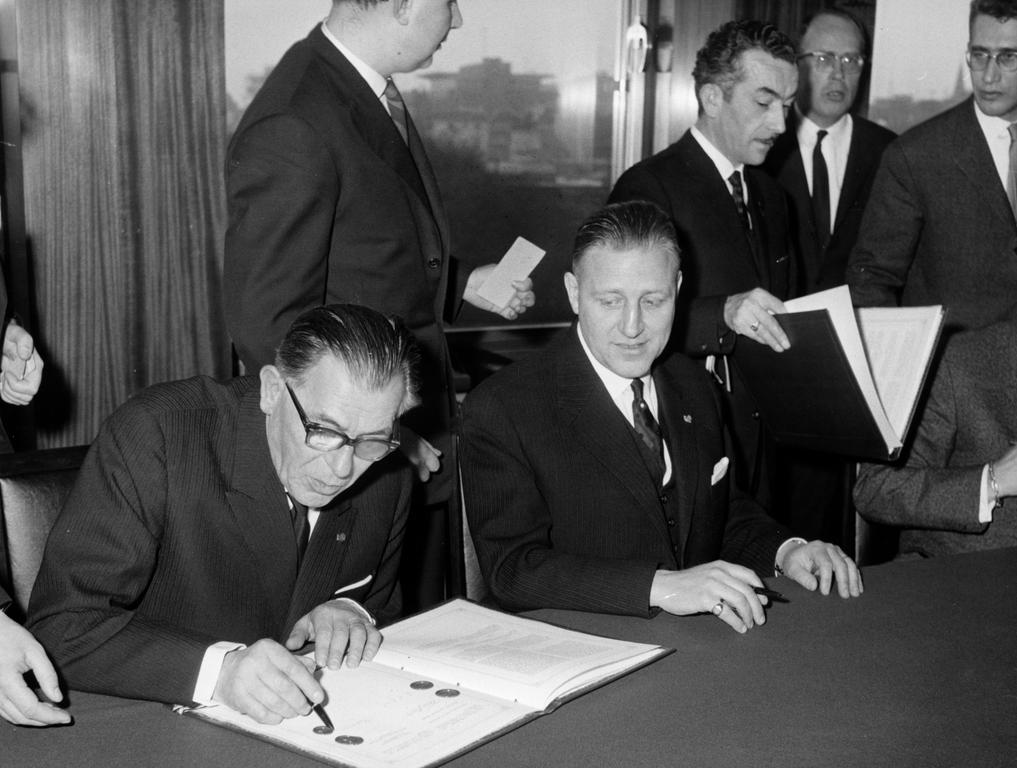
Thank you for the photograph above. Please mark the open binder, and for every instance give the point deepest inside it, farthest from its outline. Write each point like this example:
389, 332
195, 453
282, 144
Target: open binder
851, 380
445, 681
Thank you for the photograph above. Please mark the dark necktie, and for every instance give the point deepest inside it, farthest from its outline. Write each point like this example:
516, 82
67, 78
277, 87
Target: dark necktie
820, 193
301, 527
738, 193
396, 108
1011, 182
646, 426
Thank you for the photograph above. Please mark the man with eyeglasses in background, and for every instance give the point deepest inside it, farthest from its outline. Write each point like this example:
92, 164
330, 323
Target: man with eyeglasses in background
217, 527
826, 160
940, 226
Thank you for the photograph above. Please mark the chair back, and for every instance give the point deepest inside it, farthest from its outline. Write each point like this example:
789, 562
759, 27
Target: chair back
33, 488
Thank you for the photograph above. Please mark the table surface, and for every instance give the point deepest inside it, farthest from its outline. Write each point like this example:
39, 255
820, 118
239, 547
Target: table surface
919, 671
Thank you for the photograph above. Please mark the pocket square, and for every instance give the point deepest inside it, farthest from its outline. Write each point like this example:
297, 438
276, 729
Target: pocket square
719, 470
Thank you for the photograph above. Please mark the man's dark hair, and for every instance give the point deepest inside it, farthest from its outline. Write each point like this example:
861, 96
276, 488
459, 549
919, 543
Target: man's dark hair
863, 33
719, 61
626, 226
374, 348
1001, 10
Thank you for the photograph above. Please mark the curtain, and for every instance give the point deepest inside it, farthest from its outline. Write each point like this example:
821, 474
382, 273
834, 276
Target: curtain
123, 141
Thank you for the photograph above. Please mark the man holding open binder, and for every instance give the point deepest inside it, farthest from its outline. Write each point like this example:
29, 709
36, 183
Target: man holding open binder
595, 472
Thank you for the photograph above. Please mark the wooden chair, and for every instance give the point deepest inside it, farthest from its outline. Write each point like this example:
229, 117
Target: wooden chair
33, 488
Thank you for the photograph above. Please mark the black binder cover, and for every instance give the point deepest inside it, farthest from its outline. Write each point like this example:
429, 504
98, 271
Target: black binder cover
807, 395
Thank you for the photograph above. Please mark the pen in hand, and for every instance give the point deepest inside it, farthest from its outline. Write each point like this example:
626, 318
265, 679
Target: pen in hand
773, 594
326, 726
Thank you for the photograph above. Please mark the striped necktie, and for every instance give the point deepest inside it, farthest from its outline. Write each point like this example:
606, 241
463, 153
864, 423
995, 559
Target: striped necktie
396, 108
646, 426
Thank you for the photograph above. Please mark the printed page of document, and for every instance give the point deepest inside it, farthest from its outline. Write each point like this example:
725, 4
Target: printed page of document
899, 342
837, 301
509, 656
387, 718
516, 264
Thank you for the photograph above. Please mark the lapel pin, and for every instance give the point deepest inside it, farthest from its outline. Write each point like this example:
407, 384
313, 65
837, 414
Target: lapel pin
340, 537
687, 418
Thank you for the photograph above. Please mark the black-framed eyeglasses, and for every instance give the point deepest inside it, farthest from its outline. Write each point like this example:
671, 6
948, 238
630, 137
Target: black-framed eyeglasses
979, 58
824, 61
321, 438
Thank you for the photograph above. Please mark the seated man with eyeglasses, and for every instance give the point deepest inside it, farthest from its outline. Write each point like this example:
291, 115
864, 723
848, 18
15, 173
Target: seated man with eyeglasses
180, 569
939, 227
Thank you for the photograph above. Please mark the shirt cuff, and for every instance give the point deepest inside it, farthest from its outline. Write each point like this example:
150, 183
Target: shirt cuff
357, 607
986, 506
208, 673
779, 557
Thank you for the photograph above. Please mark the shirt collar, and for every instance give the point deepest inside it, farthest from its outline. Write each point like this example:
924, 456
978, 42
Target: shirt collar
807, 129
724, 166
375, 81
992, 127
616, 385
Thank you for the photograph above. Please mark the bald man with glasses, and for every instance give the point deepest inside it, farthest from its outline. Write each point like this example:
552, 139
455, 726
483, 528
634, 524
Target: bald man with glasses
217, 527
940, 226
826, 160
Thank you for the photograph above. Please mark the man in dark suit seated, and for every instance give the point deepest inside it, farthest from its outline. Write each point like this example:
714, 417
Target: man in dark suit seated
595, 473
215, 527
955, 488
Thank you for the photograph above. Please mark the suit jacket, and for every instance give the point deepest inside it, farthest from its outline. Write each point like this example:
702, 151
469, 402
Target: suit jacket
819, 269
938, 228
563, 510
717, 261
178, 534
327, 204
969, 419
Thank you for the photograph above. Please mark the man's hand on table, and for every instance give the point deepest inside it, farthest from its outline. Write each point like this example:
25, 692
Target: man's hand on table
267, 682
721, 588
21, 653
818, 564
336, 628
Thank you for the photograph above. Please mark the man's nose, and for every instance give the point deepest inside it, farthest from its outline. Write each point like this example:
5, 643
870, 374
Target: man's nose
457, 16
340, 461
632, 320
992, 72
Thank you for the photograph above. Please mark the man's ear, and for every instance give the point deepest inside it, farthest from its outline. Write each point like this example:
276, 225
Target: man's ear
711, 96
572, 289
401, 10
272, 385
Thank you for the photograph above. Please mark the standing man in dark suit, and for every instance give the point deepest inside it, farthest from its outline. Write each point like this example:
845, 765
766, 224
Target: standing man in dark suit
331, 198
731, 217
939, 227
826, 160
955, 489
215, 527
825, 218
595, 473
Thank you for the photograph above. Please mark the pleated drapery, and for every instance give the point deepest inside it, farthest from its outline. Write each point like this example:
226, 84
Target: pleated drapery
123, 139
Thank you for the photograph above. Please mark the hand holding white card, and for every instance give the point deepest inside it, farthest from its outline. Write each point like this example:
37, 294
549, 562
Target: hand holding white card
516, 264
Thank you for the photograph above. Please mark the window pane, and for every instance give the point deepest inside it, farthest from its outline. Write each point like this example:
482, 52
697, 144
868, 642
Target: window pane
515, 110
918, 67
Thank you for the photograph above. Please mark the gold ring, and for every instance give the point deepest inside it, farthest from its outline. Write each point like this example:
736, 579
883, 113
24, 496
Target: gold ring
754, 327
718, 608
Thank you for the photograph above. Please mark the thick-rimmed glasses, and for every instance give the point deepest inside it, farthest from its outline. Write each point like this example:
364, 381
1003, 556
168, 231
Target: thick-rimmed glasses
824, 61
321, 438
979, 58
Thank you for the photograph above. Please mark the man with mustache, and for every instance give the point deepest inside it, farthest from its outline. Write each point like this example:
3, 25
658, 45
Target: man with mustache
731, 218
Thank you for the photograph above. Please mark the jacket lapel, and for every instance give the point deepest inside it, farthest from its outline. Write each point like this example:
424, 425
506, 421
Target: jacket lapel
599, 427
324, 559
371, 119
260, 508
973, 159
681, 446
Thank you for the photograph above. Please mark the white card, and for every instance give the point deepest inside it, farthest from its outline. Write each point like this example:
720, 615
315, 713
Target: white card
516, 264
